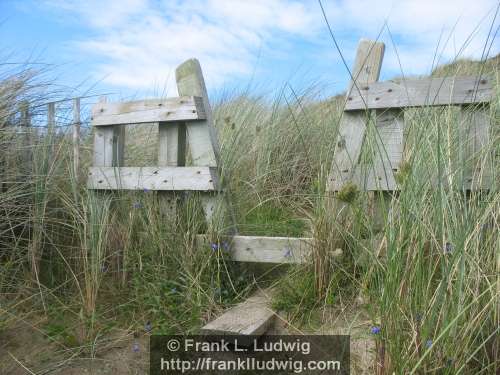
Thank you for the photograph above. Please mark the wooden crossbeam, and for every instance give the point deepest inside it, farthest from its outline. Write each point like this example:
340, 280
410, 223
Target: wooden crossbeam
153, 178
184, 108
270, 249
421, 92
263, 249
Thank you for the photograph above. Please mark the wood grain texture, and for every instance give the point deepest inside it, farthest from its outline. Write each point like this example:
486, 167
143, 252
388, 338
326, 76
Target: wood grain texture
421, 92
147, 111
201, 136
477, 159
253, 317
152, 178
270, 249
262, 249
103, 146
367, 64
389, 144
352, 126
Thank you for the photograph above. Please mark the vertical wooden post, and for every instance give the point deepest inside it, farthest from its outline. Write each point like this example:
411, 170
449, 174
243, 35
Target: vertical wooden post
26, 125
76, 138
352, 126
171, 153
51, 124
201, 135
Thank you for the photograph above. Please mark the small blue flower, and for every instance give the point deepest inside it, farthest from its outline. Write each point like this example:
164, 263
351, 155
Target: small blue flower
173, 290
428, 343
148, 327
375, 330
146, 190
137, 205
225, 245
288, 253
214, 246
448, 248
135, 347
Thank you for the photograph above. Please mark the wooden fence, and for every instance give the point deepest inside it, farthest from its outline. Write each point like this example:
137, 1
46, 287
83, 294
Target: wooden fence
186, 121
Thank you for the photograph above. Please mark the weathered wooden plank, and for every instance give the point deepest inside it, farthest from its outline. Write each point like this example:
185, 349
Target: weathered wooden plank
347, 149
152, 178
371, 179
352, 126
263, 249
145, 111
475, 129
270, 249
367, 64
201, 136
103, 146
421, 92
251, 317
389, 126
76, 137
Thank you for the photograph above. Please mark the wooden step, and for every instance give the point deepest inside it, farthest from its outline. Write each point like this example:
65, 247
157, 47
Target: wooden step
251, 317
263, 249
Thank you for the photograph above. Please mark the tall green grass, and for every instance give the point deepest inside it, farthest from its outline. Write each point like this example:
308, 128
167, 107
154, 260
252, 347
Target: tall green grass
91, 262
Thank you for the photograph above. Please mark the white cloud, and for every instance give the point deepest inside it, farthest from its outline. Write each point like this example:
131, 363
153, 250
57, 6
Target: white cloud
138, 43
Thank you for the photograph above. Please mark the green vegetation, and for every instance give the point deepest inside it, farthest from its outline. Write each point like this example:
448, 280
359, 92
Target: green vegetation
90, 263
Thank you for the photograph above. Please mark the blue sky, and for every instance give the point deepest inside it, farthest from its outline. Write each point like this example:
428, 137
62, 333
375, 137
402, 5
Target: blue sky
131, 47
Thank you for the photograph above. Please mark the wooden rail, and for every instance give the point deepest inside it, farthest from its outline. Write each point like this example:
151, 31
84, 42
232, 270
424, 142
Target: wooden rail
421, 92
185, 108
153, 178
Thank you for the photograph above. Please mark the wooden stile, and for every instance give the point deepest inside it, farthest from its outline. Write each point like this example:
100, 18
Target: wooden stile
383, 103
